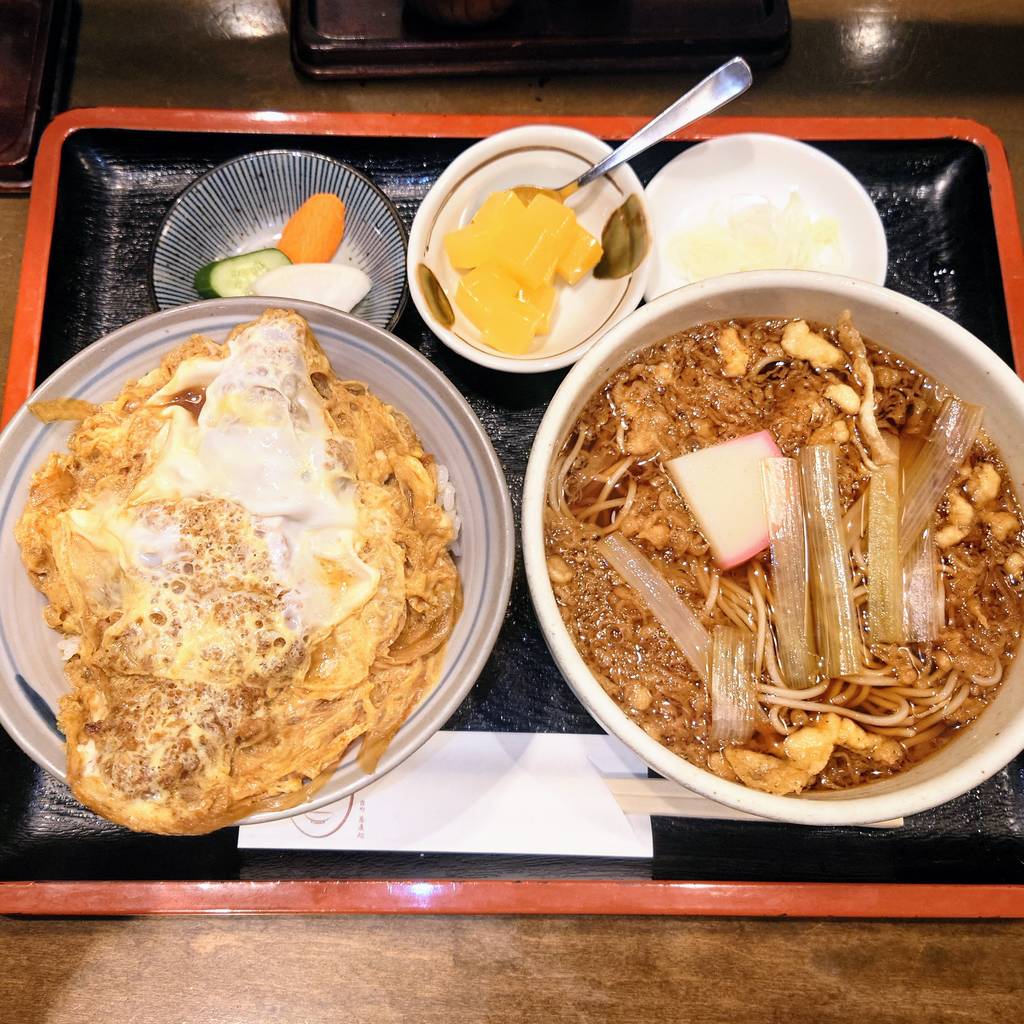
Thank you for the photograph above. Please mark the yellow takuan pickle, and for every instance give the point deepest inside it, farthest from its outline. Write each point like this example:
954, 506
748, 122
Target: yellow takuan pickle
493, 301
513, 252
584, 253
531, 252
480, 241
543, 298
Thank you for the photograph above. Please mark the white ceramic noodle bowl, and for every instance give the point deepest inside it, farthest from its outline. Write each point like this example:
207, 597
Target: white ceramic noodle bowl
929, 340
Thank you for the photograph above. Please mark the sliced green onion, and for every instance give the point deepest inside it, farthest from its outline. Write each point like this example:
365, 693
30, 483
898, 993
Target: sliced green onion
856, 519
733, 688
675, 615
835, 617
885, 570
784, 511
924, 595
948, 444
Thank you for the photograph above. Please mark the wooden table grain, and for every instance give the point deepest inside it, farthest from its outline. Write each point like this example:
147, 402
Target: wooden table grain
926, 57
520, 970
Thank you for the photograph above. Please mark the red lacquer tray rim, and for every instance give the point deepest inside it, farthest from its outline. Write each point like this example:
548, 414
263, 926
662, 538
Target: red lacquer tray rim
42, 208
494, 896
490, 896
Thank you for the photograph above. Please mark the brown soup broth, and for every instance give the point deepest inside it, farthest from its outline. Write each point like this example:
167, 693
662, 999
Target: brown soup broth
690, 391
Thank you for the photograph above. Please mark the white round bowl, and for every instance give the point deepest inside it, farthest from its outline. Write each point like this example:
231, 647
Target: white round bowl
736, 170
548, 156
32, 678
929, 340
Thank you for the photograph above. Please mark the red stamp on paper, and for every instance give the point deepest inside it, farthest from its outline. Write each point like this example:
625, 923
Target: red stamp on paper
325, 821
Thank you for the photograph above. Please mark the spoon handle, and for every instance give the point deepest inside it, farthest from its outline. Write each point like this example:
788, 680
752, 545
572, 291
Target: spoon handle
722, 85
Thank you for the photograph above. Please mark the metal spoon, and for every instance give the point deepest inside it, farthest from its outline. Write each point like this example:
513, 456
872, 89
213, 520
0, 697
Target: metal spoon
625, 239
732, 79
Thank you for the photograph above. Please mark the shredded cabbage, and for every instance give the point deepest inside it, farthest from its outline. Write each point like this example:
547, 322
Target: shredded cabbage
758, 236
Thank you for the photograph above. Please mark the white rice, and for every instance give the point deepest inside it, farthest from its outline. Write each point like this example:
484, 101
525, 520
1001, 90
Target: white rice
68, 646
446, 499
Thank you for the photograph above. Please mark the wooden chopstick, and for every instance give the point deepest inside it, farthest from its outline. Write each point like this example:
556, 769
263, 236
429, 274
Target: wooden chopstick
662, 798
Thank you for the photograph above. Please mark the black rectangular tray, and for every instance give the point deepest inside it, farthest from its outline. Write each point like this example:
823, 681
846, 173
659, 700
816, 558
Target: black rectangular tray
114, 187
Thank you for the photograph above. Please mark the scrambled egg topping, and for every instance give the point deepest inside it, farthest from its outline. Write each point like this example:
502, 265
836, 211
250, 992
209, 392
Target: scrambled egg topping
247, 579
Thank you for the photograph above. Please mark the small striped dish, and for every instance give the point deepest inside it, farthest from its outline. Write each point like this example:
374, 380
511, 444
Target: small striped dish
242, 205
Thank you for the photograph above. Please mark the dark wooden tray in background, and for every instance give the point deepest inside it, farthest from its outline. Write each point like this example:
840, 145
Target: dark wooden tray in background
35, 40
385, 38
105, 179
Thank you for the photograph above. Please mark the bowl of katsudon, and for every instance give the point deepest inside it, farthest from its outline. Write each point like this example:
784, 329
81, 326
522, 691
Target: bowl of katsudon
256, 557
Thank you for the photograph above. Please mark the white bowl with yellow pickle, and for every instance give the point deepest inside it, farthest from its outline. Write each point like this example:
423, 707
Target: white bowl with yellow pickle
517, 281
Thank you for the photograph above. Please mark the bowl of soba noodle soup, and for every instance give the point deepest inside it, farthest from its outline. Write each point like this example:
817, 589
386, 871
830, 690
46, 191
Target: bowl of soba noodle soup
773, 534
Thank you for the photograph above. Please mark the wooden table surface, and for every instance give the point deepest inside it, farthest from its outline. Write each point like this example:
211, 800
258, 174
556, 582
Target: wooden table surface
507, 971
927, 57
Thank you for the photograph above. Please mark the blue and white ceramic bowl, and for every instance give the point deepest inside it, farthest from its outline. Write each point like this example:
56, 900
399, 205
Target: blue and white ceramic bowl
31, 671
243, 205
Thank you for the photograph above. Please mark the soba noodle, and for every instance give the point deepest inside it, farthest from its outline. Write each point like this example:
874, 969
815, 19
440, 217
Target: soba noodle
681, 395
